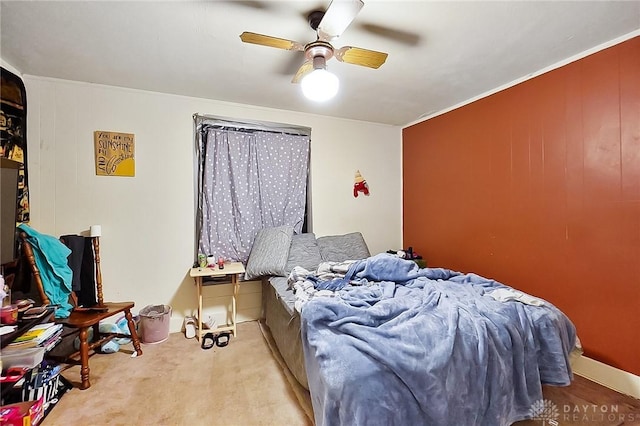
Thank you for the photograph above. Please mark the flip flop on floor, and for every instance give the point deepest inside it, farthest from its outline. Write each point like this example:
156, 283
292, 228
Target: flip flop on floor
189, 327
223, 339
208, 340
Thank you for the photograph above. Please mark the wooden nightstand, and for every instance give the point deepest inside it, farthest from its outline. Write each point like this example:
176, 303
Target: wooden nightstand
231, 270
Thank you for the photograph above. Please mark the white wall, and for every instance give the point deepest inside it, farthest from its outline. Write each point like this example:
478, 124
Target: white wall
148, 220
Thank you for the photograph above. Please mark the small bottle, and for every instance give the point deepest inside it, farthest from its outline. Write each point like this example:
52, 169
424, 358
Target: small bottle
220, 262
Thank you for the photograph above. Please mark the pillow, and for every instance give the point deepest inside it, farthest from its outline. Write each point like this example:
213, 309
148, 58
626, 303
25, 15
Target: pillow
338, 248
304, 252
269, 252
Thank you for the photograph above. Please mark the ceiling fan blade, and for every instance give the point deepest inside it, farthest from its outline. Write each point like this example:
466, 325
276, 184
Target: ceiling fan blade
304, 69
252, 4
337, 18
358, 56
264, 40
397, 35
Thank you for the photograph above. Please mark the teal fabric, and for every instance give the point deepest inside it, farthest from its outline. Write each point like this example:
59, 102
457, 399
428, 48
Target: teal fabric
51, 259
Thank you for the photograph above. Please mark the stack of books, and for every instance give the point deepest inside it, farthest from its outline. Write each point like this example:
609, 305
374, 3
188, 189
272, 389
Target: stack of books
46, 335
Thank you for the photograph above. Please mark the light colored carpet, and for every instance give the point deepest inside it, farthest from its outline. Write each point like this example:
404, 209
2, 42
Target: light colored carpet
177, 383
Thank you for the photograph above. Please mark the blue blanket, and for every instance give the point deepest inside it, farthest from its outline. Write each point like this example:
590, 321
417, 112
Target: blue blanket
51, 259
408, 346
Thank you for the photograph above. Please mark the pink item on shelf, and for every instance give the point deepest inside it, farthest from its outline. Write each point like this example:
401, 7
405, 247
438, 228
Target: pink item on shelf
9, 314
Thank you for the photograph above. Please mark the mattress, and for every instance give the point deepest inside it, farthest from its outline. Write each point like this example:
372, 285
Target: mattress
284, 324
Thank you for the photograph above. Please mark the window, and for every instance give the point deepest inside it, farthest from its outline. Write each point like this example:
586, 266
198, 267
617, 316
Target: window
250, 176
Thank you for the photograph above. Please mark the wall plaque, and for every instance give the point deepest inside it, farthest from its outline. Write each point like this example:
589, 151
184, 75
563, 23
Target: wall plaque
114, 153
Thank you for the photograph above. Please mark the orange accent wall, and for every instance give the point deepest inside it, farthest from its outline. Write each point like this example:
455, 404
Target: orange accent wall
538, 187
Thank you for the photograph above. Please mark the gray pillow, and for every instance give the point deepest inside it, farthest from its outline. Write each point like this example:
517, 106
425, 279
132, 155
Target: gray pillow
269, 252
304, 252
338, 248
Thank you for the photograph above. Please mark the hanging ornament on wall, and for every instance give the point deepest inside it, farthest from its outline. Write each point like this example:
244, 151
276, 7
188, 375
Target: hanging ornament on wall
360, 185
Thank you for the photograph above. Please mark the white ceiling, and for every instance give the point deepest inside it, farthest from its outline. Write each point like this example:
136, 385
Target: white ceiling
440, 53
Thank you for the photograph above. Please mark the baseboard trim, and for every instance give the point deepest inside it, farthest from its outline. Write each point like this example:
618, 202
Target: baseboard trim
606, 375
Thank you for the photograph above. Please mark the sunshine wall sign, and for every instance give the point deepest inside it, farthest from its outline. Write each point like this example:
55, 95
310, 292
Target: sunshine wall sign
115, 153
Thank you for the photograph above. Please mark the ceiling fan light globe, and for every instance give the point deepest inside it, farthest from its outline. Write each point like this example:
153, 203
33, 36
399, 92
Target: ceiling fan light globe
320, 85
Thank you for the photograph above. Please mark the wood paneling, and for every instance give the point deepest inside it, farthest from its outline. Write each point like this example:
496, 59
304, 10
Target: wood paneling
538, 186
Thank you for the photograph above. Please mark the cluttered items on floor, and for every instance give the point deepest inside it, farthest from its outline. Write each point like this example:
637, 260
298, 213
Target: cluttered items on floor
29, 394
31, 385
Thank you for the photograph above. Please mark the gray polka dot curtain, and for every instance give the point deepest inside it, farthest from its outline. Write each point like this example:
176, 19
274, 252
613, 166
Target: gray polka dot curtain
249, 178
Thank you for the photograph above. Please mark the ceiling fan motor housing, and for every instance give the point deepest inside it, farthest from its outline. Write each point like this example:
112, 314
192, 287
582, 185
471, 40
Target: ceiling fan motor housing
315, 18
319, 52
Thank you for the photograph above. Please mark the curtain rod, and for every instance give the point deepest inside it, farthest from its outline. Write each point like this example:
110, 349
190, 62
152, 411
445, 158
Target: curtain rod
225, 122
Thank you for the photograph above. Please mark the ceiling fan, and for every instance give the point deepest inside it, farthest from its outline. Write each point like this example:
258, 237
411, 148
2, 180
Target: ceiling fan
329, 24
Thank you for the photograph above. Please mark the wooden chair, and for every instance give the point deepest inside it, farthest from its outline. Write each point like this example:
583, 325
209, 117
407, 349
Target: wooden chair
84, 318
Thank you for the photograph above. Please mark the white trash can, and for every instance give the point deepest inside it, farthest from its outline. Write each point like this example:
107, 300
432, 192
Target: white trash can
155, 321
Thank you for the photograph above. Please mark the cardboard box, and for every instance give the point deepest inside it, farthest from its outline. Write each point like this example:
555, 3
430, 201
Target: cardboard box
28, 413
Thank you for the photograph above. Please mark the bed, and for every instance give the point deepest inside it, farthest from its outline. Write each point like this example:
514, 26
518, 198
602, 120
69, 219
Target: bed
386, 342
